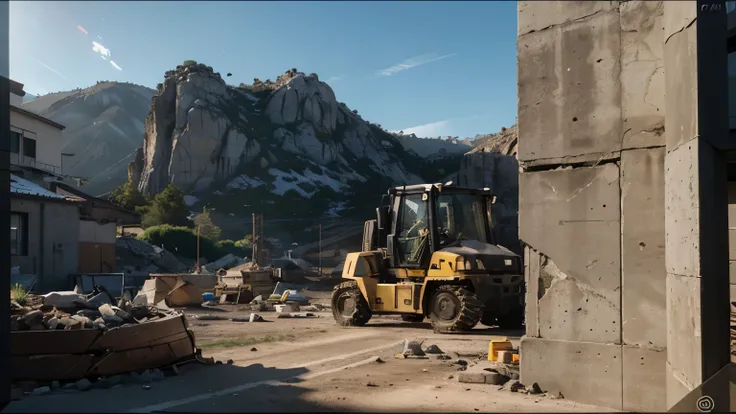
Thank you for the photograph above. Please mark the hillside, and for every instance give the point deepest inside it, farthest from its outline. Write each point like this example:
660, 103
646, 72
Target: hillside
286, 148
104, 124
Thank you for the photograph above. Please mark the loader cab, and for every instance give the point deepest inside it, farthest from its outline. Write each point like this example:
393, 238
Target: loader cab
420, 219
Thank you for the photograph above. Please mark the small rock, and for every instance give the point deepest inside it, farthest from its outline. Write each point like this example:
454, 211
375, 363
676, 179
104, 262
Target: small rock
83, 384
442, 357
114, 380
41, 391
400, 356
461, 362
433, 349
253, 350
513, 386
412, 348
371, 384
52, 323
145, 377
230, 362
218, 362
451, 377
534, 389
425, 370
32, 318
157, 375
146, 387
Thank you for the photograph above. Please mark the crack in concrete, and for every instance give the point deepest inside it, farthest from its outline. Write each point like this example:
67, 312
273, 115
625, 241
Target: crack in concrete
680, 377
680, 30
567, 22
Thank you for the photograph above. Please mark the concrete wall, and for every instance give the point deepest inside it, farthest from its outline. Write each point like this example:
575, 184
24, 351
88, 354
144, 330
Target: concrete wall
48, 138
591, 145
53, 247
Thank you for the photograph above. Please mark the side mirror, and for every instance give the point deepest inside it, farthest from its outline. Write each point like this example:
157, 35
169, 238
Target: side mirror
382, 216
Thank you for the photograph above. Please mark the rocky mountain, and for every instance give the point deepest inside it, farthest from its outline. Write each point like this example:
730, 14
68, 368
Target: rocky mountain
505, 142
286, 148
434, 147
104, 126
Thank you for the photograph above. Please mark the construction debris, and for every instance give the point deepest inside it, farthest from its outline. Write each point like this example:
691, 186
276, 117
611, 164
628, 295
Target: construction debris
67, 336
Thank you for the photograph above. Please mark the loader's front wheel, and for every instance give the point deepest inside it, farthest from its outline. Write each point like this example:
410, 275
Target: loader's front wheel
349, 307
454, 308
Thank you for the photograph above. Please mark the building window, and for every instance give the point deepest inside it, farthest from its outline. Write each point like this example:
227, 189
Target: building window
19, 234
15, 142
29, 147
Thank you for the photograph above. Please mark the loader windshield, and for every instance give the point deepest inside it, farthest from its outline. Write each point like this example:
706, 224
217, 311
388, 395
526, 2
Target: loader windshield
461, 217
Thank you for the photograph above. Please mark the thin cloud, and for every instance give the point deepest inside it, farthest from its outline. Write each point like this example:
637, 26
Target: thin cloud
81, 29
101, 50
53, 70
432, 129
439, 128
115, 65
333, 79
412, 63
99, 37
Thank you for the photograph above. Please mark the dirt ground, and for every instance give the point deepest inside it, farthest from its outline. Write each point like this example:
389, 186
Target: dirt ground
313, 365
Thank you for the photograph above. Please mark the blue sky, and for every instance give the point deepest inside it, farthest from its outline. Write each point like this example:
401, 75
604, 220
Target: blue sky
434, 68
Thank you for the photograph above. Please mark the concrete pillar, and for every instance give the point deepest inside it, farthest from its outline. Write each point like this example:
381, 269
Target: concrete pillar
696, 194
592, 200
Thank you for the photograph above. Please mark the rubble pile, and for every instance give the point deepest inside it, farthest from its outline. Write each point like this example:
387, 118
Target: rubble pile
70, 311
68, 336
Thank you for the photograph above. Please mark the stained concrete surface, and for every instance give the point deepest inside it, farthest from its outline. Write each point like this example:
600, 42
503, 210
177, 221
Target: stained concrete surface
643, 248
583, 301
579, 370
569, 91
643, 388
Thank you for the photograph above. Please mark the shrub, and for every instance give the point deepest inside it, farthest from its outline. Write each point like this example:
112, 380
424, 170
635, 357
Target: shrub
167, 207
189, 62
181, 241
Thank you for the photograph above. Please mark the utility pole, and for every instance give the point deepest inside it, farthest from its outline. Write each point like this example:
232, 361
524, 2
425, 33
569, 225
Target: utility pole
320, 250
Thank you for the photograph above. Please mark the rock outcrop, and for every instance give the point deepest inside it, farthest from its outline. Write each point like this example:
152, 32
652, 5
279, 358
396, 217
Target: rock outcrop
202, 132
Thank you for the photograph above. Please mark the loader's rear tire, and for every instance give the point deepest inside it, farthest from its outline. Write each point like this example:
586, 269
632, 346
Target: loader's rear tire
415, 318
349, 307
454, 308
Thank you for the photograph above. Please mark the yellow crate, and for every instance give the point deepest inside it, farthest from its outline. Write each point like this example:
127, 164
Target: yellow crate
498, 345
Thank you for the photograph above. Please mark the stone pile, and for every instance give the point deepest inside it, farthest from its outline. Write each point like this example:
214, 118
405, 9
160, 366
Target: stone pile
70, 311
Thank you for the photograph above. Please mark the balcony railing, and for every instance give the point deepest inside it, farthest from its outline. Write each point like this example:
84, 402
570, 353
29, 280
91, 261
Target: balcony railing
21, 161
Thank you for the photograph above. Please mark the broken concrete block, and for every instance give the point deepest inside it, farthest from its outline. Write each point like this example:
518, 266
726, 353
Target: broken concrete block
472, 377
81, 319
34, 317
41, 391
433, 349
112, 319
145, 377
157, 375
52, 323
412, 348
534, 389
83, 384
504, 357
68, 322
513, 386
